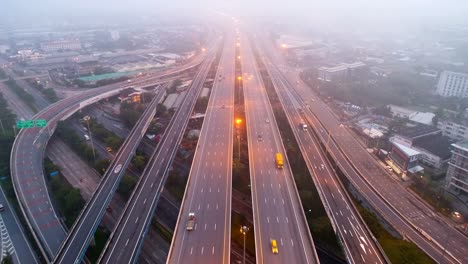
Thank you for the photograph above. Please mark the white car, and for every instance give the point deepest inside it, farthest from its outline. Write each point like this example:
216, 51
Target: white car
267, 120
118, 168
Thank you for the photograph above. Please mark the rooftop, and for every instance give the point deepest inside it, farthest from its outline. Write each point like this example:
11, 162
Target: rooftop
462, 144
415, 130
437, 145
407, 150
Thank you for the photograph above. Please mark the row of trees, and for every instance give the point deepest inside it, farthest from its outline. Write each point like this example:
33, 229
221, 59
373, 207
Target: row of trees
104, 135
25, 96
68, 198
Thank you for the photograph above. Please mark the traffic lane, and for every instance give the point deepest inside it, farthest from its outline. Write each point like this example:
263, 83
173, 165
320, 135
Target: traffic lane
264, 164
213, 112
136, 210
36, 195
183, 112
105, 192
213, 177
20, 250
321, 170
415, 212
50, 224
389, 214
414, 236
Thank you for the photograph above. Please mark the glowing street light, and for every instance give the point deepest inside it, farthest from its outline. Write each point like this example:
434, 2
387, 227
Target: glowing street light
238, 57
284, 46
203, 49
238, 121
244, 230
239, 78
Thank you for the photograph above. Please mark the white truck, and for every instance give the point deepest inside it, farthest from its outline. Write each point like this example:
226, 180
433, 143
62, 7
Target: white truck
191, 222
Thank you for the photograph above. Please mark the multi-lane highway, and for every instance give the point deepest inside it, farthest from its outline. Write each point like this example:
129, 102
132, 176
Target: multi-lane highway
401, 209
127, 237
208, 191
277, 208
27, 162
80, 235
358, 242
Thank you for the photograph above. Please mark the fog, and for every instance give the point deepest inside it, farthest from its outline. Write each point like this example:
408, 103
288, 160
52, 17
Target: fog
393, 13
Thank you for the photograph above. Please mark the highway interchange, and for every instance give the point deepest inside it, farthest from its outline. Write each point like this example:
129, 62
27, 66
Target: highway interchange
277, 209
128, 235
27, 162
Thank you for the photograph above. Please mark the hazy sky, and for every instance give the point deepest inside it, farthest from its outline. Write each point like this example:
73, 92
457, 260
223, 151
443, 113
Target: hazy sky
324, 10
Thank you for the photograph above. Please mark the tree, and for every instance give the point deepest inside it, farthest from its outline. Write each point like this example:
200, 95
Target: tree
126, 186
139, 162
102, 165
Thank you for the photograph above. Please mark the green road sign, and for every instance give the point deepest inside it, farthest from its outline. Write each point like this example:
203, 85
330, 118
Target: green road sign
20, 124
26, 123
29, 123
41, 123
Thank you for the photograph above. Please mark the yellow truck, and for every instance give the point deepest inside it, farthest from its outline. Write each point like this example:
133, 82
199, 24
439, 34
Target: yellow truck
279, 160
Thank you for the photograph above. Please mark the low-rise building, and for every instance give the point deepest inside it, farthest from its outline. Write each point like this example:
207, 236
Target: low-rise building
57, 45
457, 172
453, 130
340, 71
404, 159
434, 148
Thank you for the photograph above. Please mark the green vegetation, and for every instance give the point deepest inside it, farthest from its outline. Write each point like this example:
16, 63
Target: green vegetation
397, 250
318, 221
7, 118
130, 113
175, 184
173, 87
7, 259
26, 97
126, 186
166, 234
3, 75
95, 249
139, 162
101, 133
102, 165
69, 199
50, 94
75, 141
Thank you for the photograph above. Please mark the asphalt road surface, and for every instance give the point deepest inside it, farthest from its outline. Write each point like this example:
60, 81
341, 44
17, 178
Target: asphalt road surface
13, 239
27, 165
127, 237
277, 209
208, 191
358, 242
82, 232
409, 216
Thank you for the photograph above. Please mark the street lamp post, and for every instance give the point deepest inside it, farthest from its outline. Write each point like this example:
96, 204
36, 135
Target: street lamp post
238, 122
244, 230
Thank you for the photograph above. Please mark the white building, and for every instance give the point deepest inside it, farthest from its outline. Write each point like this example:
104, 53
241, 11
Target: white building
457, 172
61, 45
453, 84
340, 71
453, 130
